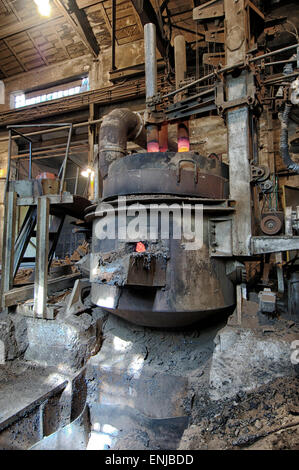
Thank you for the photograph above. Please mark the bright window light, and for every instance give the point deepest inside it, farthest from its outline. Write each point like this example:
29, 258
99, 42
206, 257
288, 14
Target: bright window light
20, 99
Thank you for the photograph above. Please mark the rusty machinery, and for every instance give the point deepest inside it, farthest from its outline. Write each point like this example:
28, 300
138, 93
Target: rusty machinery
249, 238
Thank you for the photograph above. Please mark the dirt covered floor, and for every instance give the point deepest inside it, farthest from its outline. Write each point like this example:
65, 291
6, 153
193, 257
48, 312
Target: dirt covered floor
219, 385
267, 419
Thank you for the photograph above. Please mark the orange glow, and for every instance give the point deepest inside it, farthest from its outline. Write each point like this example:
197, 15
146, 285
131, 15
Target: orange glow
140, 247
46, 176
153, 147
183, 145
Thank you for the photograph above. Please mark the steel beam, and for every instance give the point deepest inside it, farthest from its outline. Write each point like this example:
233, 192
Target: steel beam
113, 34
261, 245
21, 294
180, 59
24, 237
41, 262
55, 230
238, 127
239, 178
8, 244
80, 24
235, 31
209, 10
24, 26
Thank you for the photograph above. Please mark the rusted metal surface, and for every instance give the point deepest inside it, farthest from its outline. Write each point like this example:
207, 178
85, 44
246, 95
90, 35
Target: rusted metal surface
272, 244
199, 104
236, 31
240, 176
152, 136
117, 128
271, 224
156, 172
75, 303
180, 59
146, 270
197, 283
196, 286
148, 182
213, 58
75, 209
209, 10
21, 294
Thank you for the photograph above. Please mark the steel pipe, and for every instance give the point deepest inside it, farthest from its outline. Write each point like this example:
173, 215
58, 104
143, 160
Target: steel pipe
117, 128
150, 60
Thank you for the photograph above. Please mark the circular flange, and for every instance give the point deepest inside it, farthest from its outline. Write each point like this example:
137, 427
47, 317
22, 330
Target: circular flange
271, 224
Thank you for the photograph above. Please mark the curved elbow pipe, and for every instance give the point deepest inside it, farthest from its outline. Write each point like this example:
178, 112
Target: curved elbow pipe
284, 141
119, 127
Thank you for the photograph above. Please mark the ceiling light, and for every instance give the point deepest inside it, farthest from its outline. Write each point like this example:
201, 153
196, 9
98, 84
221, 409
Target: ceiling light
87, 173
44, 7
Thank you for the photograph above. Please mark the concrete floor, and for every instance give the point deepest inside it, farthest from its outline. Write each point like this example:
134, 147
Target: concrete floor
113, 385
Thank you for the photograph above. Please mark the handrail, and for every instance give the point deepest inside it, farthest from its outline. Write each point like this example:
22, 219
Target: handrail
13, 129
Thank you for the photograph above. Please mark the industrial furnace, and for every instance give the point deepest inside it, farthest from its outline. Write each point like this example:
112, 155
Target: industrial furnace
159, 281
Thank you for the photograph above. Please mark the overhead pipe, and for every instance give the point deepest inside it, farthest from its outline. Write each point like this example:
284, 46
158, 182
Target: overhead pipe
228, 68
150, 57
284, 141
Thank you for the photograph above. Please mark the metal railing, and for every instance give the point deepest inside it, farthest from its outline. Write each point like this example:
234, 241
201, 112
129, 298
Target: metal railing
13, 130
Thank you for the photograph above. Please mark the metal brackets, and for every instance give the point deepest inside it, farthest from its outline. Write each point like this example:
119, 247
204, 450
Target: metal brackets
259, 173
249, 99
220, 236
210, 10
75, 303
195, 105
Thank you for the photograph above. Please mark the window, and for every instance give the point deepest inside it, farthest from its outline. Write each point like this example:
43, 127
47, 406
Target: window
26, 99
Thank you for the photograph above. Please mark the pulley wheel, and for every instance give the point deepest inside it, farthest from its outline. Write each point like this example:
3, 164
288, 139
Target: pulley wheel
271, 224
